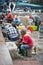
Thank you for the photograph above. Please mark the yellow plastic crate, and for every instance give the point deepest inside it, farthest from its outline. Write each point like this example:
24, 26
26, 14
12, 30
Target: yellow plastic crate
20, 27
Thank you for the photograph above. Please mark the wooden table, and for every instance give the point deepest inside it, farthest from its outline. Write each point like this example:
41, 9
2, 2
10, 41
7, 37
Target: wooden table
5, 58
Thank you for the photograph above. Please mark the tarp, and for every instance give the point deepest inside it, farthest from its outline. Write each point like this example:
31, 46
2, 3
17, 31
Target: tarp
33, 6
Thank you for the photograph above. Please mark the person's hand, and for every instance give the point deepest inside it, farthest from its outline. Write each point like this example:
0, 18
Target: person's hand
16, 43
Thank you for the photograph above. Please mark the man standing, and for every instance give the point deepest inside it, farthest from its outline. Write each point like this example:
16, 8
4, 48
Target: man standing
11, 6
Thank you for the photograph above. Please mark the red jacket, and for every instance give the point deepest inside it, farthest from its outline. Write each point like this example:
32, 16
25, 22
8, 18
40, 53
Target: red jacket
10, 15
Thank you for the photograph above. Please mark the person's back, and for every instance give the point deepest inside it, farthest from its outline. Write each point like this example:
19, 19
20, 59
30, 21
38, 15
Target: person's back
36, 20
12, 32
9, 17
17, 20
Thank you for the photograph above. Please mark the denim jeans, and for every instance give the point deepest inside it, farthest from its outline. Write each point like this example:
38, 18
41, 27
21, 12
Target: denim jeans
23, 48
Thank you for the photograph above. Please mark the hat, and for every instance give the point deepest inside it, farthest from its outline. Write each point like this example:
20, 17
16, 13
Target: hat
23, 30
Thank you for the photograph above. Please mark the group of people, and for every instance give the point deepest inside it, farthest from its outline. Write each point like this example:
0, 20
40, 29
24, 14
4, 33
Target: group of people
23, 40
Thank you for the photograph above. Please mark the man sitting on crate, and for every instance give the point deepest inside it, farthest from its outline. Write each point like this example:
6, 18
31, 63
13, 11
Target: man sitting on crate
26, 42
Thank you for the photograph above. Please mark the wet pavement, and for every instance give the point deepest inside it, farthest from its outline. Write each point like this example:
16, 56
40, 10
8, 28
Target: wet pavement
21, 62
39, 57
34, 60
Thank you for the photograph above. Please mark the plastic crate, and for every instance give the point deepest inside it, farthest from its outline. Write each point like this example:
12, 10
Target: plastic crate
41, 28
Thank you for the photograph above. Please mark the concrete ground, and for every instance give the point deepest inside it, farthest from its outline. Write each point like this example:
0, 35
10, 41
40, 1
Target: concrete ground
23, 62
35, 60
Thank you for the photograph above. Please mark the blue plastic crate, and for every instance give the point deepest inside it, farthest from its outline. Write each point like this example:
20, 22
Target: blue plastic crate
41, 28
